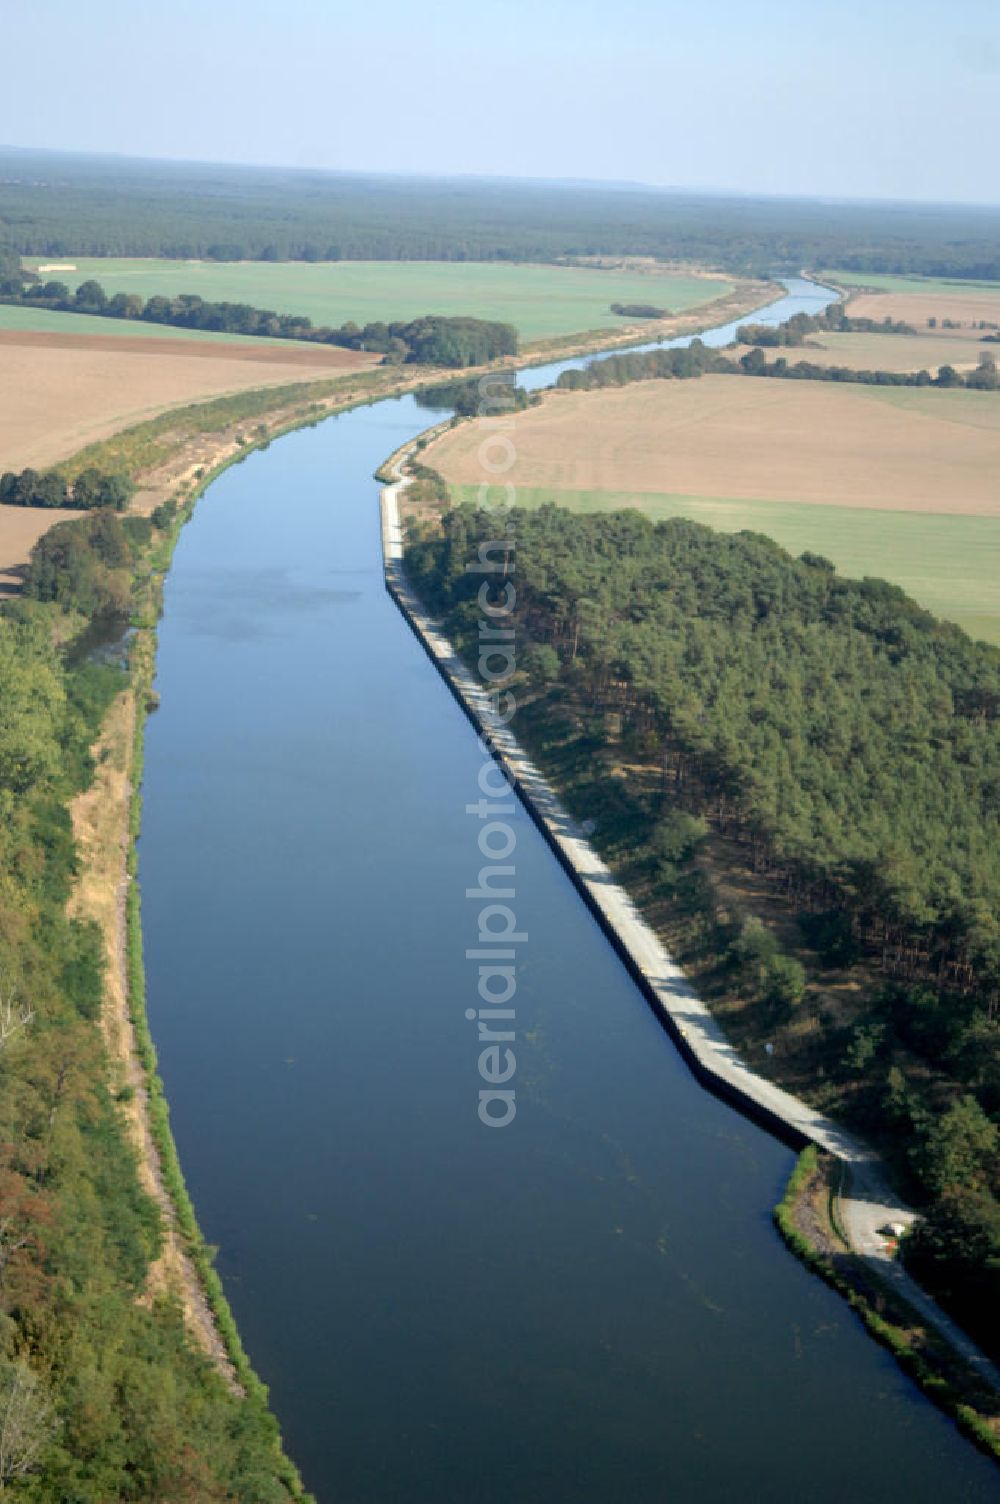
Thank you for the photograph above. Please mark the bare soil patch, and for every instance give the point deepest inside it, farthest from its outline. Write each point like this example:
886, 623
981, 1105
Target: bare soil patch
736, 437
100, 829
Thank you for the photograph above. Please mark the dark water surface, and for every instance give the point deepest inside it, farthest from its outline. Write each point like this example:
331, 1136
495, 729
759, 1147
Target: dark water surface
590, 1305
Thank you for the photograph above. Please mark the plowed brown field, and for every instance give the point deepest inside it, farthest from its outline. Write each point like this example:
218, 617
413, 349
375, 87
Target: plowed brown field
60, 392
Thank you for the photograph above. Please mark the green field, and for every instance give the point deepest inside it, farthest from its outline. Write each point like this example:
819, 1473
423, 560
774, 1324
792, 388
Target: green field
882, 283
949, 564
41, 321
964, 409
540, 300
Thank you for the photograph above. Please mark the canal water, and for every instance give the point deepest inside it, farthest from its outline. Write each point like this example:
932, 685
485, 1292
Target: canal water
588, 1305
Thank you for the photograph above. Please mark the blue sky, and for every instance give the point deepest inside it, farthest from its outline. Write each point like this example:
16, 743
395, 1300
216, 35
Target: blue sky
888, 98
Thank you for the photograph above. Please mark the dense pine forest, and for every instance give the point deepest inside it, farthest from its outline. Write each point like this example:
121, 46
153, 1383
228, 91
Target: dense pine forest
55, 204
102, 1394
847, 743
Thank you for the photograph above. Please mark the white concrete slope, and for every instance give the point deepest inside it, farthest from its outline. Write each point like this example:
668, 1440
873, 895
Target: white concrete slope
867, 1202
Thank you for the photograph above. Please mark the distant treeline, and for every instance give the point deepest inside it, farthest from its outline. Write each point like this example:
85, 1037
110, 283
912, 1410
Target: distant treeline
91, 490
846, 743
699, 360
432, 340
57, 205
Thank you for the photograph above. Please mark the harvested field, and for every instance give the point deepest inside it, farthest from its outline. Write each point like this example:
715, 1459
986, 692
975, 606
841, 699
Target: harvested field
966, 309
59, 392
811, 443
895, 482
888, 352
917, 299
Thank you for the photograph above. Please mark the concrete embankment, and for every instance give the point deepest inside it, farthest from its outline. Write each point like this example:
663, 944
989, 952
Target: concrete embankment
867, 1203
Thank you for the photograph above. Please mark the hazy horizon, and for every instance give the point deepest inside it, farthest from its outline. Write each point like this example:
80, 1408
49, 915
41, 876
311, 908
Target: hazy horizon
891, 101
693, 190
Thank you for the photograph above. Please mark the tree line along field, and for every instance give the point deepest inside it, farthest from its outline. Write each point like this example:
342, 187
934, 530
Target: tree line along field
541, 301
21, 320
891, 482
948, 564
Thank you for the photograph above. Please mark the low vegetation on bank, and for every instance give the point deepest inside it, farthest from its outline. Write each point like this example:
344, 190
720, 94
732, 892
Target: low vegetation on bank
695, 693
807, 1219
103, 1394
